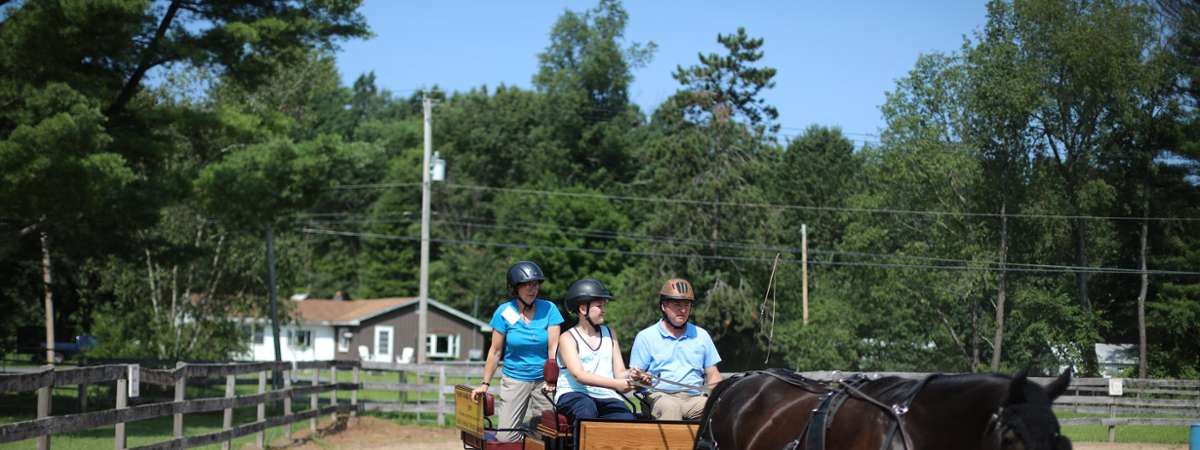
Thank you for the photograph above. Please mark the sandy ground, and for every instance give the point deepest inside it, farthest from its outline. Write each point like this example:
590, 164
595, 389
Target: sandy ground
370, 433
376, 434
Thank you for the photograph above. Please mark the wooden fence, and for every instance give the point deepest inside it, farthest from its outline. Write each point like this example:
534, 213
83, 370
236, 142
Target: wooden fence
413, 384
437, 378
129, 377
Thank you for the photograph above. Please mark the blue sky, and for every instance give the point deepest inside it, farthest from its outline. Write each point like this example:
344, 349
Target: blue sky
835, 60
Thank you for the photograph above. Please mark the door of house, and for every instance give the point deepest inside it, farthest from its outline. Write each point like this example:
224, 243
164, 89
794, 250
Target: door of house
384, 337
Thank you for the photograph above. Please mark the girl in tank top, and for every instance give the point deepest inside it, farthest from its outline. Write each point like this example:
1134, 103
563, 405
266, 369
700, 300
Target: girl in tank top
595, 375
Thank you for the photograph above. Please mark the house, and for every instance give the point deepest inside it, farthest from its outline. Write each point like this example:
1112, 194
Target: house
381, 330
1116, 359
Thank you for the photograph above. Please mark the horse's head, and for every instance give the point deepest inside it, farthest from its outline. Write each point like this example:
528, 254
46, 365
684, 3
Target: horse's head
1026, 421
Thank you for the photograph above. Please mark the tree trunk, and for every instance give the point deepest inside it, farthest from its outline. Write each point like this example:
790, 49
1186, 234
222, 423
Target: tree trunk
1081, 260
1141, 313
1002, 292
47, 278
276, 382
975, 336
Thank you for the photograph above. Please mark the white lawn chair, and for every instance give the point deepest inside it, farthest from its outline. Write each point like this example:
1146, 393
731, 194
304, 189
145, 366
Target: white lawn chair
406, 356
363, 353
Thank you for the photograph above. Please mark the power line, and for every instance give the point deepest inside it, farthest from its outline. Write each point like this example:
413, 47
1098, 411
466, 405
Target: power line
772, 205
1092, 270
611, 235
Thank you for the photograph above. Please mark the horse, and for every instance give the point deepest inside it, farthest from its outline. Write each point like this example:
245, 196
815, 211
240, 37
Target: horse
770, 410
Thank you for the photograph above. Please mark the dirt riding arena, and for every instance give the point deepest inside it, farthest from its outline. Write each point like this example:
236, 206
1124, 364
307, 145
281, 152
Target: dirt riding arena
373, 433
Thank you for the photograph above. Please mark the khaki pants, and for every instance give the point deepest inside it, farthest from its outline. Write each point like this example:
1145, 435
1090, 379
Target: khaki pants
676, 406
521, 406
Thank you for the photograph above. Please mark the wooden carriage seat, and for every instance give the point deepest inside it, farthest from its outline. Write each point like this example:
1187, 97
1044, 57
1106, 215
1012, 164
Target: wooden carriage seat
553, 424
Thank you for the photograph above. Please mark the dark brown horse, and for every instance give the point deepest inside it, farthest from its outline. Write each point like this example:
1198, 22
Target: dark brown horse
771, 410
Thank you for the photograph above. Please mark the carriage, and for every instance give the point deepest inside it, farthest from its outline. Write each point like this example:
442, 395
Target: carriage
554, 431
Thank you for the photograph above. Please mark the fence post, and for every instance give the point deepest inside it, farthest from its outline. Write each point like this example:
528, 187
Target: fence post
43, 410
227, 424
122, 400
420, 383
83, 397
180, 392
441, 395
333, 393
287, 404
312, 400
354, 395
261, 440
402, 378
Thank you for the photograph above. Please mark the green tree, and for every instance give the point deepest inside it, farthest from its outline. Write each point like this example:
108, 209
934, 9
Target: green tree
709, 163
728, 87
96, 56
584, 74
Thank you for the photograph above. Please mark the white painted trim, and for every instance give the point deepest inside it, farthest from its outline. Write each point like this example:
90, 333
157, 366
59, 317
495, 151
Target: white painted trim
391, 347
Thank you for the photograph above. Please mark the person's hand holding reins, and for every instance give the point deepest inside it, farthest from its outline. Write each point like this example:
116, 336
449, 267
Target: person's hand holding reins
637, 375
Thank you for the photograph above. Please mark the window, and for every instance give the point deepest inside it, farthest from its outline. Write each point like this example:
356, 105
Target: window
344, 340
442, 346
258, 334
300, 338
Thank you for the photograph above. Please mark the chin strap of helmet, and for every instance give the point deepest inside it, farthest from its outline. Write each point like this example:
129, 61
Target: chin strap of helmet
588, 316
524, 306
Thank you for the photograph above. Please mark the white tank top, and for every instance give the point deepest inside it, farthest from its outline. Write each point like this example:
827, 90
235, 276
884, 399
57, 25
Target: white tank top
597, 361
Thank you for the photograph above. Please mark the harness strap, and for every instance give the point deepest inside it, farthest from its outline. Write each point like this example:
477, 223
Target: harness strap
822, 418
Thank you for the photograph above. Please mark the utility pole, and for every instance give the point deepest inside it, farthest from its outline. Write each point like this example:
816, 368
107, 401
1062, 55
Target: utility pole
422, 320
804, 268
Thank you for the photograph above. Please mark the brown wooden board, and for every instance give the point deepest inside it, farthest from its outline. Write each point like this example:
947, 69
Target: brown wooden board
468, 414
533, 443
636, 435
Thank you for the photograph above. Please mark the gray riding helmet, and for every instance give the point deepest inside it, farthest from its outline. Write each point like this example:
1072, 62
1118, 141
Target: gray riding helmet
524, 272
584, 290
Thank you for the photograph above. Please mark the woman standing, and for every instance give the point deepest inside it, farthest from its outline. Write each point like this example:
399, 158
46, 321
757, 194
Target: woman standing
525, 330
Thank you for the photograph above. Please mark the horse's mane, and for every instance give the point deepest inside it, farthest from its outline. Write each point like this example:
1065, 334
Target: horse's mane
892, 389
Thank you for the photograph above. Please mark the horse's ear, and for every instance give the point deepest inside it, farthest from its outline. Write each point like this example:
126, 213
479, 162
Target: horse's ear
1059, 385
1016, 389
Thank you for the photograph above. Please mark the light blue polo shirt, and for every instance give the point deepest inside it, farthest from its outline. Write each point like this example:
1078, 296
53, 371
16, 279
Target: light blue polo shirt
525, 344
680, 359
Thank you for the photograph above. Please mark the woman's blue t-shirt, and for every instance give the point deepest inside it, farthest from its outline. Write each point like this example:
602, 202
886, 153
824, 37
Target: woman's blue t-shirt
525, 344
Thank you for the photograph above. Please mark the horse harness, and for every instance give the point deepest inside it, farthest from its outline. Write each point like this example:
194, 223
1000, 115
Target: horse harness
821, 420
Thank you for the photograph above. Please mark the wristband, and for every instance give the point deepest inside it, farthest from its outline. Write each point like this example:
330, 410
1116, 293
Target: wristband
486, 383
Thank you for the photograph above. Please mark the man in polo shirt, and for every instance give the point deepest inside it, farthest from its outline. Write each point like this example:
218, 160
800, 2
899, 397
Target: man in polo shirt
675, 350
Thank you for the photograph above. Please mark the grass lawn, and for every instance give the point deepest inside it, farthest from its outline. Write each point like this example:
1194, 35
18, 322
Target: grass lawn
1128, 433
1125, 433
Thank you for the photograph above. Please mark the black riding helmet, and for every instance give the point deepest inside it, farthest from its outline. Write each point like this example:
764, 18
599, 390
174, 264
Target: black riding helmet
582, 291
524, 272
